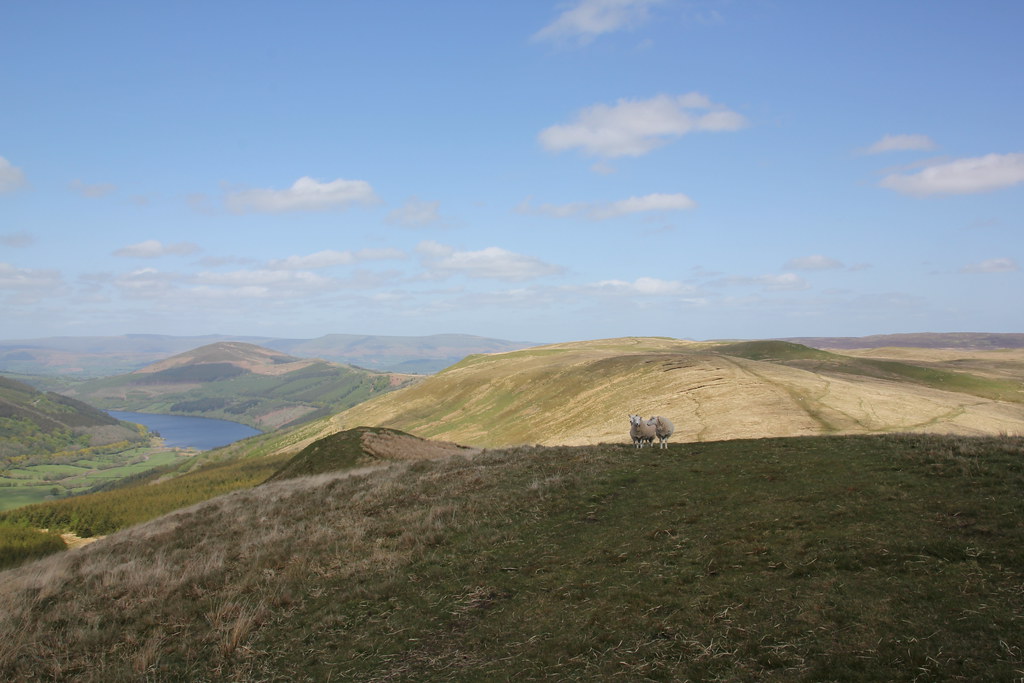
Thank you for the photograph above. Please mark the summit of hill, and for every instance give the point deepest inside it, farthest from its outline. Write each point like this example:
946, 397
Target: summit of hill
247, 357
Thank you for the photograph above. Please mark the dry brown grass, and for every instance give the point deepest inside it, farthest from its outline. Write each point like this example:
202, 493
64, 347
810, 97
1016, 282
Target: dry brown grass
201, 581
581, 393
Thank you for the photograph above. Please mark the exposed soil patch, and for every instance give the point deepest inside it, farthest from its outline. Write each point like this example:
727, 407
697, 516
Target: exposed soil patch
72, 541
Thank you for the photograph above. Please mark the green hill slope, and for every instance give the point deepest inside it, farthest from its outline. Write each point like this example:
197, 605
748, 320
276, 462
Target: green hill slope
580, 393
240, 382
34, 423
828, 558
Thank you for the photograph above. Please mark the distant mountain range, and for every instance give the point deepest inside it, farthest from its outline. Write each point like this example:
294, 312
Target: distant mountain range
923, 340
237, 381
105, 356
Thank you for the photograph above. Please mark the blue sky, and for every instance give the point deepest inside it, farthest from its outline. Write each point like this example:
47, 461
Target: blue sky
536, 170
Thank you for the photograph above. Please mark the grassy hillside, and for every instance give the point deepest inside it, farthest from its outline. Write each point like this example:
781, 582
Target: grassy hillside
581, 393
38, 426
891, 558
240, 382
574, 394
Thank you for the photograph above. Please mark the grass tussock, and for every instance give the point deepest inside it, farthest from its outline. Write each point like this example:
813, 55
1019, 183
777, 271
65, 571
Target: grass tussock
834, 558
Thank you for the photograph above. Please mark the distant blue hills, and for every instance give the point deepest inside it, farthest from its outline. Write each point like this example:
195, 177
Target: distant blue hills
98, 356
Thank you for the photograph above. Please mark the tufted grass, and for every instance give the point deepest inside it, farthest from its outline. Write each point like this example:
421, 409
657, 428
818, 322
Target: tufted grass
893, 558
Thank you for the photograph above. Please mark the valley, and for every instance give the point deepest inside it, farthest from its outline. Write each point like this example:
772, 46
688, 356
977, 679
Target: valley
240, 382
819, 514
568, 394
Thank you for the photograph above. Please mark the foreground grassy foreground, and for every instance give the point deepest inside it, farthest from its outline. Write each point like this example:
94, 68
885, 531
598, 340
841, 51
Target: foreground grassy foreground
827, 558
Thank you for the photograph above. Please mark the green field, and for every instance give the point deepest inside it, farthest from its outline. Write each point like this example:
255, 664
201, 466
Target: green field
15, 496
37, 483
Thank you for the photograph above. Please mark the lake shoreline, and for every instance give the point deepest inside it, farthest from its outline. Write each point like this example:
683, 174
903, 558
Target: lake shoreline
187, 431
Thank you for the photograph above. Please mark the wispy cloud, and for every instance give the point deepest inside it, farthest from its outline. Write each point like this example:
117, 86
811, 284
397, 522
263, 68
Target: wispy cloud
11, 177
644, 286
156, 248
992, 265
588, 19
899, 143
656, 202
17, 240
415, 213
780, 282
492, 262
14, 278
813, 262
331, 257
263, 281
785, 281
28, 286
635, 127
305, 194
961, 176
92, 190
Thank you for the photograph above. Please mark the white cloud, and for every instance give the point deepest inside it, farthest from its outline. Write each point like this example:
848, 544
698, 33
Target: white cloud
813, 262
650, 202
262, 277
602, 211
635, 127
961, 176
415, 213
785, 281
898, 143
331, 257
305, 194
589, 19
992, 265
647, 286
28, 279
156, 248
147, 283
11, 177
492, 262
92, 191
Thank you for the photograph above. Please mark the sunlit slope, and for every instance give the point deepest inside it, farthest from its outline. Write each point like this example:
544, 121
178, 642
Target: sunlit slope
580, 393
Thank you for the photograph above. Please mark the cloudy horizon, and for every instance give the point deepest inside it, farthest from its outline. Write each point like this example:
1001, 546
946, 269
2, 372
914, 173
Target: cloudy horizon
534, 171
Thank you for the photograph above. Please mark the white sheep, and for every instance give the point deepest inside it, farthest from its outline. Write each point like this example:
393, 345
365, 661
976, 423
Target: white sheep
641, 431
663, 428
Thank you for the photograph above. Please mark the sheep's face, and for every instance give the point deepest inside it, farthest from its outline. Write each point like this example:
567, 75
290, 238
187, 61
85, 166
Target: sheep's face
635, 420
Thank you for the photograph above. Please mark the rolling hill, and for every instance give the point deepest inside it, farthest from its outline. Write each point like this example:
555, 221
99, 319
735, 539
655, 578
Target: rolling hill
892, 557
241, 382
580, 393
